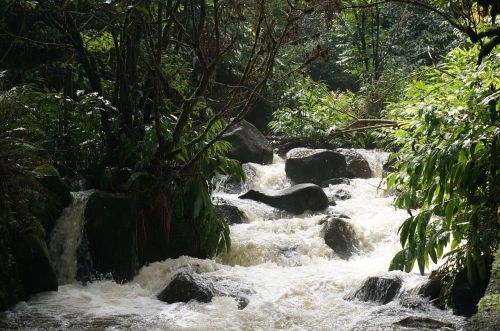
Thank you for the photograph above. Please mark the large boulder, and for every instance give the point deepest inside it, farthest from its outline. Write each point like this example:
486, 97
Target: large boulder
380, 289
248, 144
26, 218
35, 267
110, 229
121, 234
187, 286
340, 237
314, 165
357, 165
295, 199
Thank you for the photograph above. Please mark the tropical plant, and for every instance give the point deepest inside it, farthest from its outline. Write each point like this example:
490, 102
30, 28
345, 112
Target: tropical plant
308, 110
447, 172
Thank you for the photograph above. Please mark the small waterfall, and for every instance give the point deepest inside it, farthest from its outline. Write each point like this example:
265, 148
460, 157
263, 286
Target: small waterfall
66, 237
376, 160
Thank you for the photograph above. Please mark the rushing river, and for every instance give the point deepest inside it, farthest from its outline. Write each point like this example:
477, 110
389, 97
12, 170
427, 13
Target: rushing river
296, 281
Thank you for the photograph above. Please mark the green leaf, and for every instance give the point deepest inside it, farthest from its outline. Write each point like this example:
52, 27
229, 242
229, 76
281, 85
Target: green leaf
421, 258
449, 212
198, 203
409, 261
398, 261
404, 231
135, 176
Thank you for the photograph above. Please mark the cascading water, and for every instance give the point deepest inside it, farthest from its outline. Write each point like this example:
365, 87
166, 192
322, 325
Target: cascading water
67, 236
297, 282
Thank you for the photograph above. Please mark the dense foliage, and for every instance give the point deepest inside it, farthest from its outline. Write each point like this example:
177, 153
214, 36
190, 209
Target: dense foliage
447, 171
363, 52
135, 97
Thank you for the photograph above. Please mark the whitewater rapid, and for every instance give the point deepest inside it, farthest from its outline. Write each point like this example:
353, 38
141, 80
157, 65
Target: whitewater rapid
296, 281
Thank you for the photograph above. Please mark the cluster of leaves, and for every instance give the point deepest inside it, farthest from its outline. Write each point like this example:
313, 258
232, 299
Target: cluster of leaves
362, 51
447, 172
310, 111
66, 129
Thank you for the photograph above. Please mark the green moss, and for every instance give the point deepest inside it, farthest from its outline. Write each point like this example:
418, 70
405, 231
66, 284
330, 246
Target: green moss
488, 315
490, 303
45, 170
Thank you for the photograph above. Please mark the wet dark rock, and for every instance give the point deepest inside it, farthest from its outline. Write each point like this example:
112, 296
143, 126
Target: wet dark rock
357, 165
414, 302
465, 296
420, 323
185, 287
248, 144
229, 288
110, 229
314, 165
342, 194
232, 214
431, 290
336, 181
25, 264
337, 214
35, 267
242, 302
331, 201
381, 289
295, 199
339, 235
124, 234
331, 215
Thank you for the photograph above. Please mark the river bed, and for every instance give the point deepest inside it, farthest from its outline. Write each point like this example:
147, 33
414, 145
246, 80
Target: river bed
295, 281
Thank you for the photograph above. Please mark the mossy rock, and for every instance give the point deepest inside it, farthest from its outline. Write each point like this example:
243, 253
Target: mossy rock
11, 288
110, 227
36, 271
488, 314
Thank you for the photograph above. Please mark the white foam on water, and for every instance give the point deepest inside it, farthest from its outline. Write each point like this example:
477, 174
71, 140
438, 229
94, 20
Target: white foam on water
297, 281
